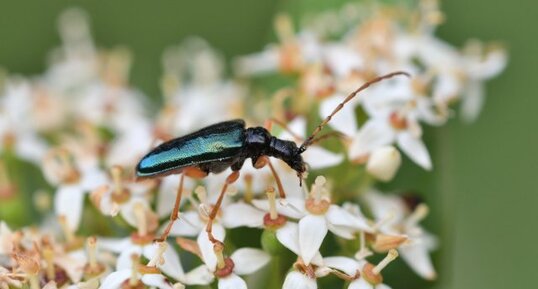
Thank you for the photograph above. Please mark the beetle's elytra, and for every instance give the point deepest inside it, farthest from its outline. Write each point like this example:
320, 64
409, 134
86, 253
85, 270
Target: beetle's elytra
215, 148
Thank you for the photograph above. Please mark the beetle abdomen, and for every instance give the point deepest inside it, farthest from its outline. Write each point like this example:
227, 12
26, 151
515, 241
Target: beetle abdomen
218, 143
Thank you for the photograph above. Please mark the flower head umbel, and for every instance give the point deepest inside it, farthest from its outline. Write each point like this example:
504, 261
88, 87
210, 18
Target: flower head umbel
83, 126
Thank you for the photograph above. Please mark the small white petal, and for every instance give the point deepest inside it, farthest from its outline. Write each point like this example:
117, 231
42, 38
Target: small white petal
249, 260
341, 231
418, 258
288, 236
115, 279
340, 217
297, 126
68, 202
360, 284
295, 207
114, 245
319, 158
385, 206
344, 264
232, 282
375, 133
472, 101
200, 275
242, 215
344, 121
188, 225
206, 247
156, 280
296, 280
312, 231
172, 266
73, 264
415, 149
127, 211
125, 260
382, 286
92, 178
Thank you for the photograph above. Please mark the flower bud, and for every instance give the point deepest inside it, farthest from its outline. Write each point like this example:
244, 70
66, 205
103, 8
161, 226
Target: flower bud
384, 163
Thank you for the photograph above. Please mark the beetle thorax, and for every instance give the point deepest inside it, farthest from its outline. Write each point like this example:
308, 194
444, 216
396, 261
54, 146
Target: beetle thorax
259, 141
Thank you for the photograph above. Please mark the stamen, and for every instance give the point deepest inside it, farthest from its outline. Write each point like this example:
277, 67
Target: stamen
133, 280
140, 214
158, 259
284, 28
92, 253
218, 248
271, 197
420, 212
48, 255
393, 254
363, 251
116, 173
201, 193
317, 188
68, 233
204, 211
249, 193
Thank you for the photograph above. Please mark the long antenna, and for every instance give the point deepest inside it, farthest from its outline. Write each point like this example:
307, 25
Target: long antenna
310, 139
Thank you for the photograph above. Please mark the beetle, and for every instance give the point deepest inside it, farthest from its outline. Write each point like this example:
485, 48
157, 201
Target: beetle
228, 144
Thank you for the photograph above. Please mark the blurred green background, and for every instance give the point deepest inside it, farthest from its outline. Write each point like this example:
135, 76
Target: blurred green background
483, 192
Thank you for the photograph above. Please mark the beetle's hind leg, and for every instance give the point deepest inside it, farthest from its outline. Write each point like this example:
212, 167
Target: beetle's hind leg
209, 228
175, 212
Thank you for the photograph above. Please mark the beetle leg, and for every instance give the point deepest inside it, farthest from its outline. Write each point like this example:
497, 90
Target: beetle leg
195, 172
261, 162
209, 228
175, 212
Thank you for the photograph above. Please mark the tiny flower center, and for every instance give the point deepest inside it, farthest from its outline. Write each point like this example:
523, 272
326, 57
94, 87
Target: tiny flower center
398, 121
226, 270
274, 224
373, 274
317, 207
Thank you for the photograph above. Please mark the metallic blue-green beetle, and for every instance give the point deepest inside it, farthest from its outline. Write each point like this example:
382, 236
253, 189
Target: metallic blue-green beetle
228, 144
215, 148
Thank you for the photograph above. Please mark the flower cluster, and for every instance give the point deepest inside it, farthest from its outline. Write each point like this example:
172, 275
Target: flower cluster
85, 128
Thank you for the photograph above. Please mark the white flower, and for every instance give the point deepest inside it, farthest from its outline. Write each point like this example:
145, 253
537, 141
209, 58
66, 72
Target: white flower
73, 184
394, 118
363, 275
397, 220
167, 259
297, 280
317, 216
244, 261
479, 65
16, 132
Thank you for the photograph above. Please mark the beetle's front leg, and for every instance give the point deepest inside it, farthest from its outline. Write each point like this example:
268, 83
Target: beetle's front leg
261, 162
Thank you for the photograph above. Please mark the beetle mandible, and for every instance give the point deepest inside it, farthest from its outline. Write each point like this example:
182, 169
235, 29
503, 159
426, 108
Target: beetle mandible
228, 144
